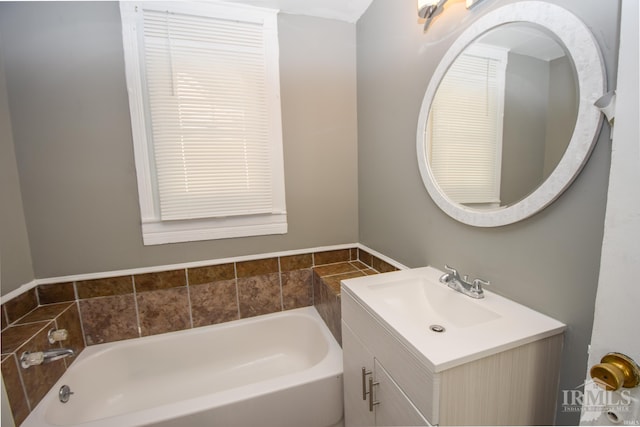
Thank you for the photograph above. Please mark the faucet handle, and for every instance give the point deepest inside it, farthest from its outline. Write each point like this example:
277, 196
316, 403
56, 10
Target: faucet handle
452, 270
56, 335
30, 358
447, 277
478, 284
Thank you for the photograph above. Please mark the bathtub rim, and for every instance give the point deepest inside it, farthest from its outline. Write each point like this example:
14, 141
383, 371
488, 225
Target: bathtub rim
327, 368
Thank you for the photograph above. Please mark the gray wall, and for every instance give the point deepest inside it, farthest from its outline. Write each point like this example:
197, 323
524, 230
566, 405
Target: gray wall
15, 256
550, 261
71, 128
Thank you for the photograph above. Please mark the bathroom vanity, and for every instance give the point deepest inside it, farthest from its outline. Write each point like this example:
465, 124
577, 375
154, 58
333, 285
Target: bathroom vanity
418, 353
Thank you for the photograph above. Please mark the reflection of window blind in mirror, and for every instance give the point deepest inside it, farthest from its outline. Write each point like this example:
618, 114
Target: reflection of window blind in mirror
465, 127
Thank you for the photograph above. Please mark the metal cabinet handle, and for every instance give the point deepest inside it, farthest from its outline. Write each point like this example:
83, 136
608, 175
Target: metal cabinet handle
364, 382
371, 402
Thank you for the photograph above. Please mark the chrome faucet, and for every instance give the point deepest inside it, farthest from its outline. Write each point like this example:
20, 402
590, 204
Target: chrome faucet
41, 357
462, 285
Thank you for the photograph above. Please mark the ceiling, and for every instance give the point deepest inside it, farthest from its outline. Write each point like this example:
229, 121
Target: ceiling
342, 10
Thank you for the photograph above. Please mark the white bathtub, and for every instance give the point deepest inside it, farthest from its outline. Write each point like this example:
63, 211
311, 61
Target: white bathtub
281, 369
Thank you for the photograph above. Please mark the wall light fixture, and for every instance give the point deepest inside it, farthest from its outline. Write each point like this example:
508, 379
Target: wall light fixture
427, 9
472, 2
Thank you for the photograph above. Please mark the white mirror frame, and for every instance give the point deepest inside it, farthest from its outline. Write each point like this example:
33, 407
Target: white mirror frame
585, 54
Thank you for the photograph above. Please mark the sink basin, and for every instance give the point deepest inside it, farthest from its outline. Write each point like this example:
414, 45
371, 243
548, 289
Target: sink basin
441, 326
425, 301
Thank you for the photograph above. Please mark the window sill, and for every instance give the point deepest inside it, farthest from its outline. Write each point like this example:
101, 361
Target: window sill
155, 232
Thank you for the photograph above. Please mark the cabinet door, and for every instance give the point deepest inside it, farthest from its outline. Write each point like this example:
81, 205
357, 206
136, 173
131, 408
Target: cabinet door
393, 407
355, 357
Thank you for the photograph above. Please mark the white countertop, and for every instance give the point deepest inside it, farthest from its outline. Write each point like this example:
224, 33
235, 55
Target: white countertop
408, 302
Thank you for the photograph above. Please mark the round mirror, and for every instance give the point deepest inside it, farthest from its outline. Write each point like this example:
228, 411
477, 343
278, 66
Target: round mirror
508, 120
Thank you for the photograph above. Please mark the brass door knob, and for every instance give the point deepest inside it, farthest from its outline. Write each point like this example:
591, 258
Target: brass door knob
616, 370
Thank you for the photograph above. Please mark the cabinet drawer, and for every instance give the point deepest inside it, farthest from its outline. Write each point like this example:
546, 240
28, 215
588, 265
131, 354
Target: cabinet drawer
394, 408
416, 381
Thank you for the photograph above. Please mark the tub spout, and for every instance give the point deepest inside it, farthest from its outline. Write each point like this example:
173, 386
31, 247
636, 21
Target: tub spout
41, 357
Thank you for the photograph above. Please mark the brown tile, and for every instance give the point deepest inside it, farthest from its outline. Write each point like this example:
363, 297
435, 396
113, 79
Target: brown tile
162, 280
70, 320
45, 312
297, 289
214, 302
328, 305
258, 267
110, 286
212, 273
325, 294
370, 272
109, 319
14, 336
359, 265
316, 282
259, 295
365, 257
336, 320
382, 266
21, 305
330, 257
333, 282
3, 316
57, 292
15, 391
331, 269
353, 252
39, 379
296, 262
164, 310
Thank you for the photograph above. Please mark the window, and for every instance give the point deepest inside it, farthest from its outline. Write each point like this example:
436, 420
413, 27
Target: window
204, 97
465, 127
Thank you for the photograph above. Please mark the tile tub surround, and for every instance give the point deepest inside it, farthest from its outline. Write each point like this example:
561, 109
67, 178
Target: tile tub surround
130, 306
326, 282
25, 387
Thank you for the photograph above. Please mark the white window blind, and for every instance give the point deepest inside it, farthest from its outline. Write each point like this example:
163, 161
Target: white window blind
209, 116
465, 128
206, 117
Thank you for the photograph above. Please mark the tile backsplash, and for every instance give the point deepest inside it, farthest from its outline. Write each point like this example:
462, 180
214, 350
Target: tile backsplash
131, 306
